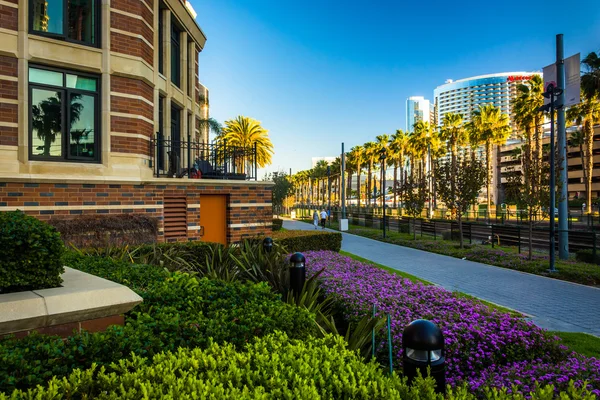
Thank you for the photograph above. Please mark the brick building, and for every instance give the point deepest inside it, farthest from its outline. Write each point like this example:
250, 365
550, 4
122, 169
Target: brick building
101, 112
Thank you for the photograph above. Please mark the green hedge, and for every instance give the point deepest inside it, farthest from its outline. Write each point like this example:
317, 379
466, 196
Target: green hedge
588, 256
179, 310
30, 253
277, 224
295, 241
273, 367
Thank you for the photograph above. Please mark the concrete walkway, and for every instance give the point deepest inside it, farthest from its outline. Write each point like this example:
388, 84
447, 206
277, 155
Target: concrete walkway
552, 304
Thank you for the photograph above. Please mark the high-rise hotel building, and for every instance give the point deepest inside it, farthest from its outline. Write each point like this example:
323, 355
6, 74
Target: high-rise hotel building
464, 96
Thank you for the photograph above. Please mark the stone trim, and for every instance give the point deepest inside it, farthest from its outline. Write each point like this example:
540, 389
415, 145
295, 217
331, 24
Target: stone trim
246, 225
133, 35
81, 297
9, 78
8, 4
82, 207
232, 205
131, 135
131, 15
132, 96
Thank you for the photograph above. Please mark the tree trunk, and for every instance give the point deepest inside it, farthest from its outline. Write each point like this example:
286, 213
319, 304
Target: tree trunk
488, 160
460, 227
582, 155
589, 139
414, 227
453, 182
349, 186
530, 235
368, 196
358, 185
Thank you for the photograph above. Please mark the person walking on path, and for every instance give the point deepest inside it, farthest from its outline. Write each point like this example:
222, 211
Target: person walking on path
316, 219
323, 218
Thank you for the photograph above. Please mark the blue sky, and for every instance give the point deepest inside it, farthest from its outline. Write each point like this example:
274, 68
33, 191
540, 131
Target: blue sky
320, 72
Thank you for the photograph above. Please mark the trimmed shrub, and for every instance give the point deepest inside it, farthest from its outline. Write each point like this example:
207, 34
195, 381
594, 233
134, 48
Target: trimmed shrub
101, 231
30, 253
179, 310
295, 241
273, 367
277, 224
588, 256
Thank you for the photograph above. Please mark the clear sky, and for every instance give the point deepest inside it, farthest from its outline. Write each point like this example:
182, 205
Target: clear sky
320, 72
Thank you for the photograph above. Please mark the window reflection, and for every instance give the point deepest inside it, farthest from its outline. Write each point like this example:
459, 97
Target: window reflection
82, 117
46, 120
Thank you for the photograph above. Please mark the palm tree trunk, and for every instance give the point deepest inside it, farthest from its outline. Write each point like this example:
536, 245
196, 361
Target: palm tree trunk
589, 141
369, 185
488, 160
453, 185
582, 156
358, 168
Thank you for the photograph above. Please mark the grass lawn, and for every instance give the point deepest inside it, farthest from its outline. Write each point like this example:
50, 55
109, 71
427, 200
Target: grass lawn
582, 343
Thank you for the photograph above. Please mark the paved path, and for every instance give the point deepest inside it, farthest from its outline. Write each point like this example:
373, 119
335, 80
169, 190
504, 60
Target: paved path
552, 304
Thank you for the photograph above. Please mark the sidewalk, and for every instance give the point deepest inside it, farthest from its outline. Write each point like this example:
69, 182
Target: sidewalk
552, 304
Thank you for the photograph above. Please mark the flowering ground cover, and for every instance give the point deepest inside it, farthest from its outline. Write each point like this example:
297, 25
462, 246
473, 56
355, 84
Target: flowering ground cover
484, 347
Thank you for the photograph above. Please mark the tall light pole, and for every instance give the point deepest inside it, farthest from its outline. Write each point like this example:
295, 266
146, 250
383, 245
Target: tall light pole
563, 200
552, 93
329, 194
382, 159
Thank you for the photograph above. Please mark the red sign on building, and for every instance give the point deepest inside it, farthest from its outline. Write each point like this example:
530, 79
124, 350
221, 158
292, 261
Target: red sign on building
514, 78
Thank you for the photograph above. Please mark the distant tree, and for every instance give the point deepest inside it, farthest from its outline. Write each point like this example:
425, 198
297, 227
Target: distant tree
458, 184
415, 195
283, 187
590, 81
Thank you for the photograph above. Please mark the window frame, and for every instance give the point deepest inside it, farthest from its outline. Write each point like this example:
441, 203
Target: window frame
161, 46
65, 35
65, 114
177, 44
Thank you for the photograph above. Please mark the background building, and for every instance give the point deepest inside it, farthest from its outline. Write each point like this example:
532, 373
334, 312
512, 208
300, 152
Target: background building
418, 109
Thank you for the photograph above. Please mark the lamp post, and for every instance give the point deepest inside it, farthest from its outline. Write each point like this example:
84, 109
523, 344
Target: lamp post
422, 347
297, 273
382, 157
553, 94
329, 194
268, 244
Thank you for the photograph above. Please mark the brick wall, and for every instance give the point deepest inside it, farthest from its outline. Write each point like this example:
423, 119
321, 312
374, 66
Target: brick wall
127, 44
8, 93
9, 16
249, 210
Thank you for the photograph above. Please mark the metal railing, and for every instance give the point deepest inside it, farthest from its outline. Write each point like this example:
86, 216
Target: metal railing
195, 160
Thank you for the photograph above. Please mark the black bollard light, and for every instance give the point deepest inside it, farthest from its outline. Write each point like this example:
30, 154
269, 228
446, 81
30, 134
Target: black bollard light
423, 346
297, 273
268, 244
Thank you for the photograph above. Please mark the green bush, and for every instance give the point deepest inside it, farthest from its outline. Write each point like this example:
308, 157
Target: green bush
174, 255
277, 224
295, 241
100, 231
30, 253
179, 310
273, 367
588, 256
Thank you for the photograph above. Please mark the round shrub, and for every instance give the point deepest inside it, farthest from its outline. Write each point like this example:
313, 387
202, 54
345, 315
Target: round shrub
30, 253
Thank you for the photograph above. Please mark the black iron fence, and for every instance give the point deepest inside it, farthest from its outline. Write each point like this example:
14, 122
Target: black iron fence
473, 232
195, 160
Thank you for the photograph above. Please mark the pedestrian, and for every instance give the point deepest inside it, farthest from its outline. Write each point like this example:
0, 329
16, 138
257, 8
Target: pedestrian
316, 219
323, 218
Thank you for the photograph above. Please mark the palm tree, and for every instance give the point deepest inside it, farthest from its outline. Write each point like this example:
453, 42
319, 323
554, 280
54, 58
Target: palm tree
336, 174
382, 142
492, 128
526, 110
587, 113
590, 81
453, 133
46, 119
357, 155
398, 150
370, 157
321, 175
247, 133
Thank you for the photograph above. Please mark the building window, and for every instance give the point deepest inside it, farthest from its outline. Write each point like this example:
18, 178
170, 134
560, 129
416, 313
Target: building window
63, 115
71, 20
175, 56
161, 46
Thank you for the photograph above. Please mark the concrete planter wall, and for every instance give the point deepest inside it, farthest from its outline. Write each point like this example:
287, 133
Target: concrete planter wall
84, 301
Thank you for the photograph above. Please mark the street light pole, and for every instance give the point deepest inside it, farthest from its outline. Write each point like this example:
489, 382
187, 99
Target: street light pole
382, 158
329, 194
563, 200
552, 92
